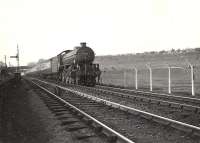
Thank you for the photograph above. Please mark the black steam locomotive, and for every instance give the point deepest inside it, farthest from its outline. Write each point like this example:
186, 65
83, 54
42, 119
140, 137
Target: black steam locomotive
72, 66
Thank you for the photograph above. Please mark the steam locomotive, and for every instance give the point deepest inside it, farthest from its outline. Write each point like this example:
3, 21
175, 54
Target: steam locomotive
72, 66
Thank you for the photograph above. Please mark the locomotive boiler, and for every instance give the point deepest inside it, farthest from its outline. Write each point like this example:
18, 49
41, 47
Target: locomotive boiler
79, 55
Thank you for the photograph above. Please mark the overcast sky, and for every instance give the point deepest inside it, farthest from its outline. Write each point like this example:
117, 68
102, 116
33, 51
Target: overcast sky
44, 28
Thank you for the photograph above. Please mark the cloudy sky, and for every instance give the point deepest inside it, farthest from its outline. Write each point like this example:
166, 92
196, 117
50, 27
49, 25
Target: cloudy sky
44, 28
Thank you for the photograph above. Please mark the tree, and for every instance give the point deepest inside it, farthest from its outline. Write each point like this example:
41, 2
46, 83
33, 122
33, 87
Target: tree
178, 51
162, 52
173, 51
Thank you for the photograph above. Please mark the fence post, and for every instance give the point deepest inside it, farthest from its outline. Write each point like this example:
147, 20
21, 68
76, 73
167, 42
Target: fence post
125, 78
169, 80
101, 77
192, 79
150, 77
136, 80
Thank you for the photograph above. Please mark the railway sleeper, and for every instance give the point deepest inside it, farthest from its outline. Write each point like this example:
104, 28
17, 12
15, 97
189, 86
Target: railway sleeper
54, 106
67, 122
64, 117
182, 128
190, 108
146, 100
50, 106
75, 128
51, 103
60, 113
179, 106
148, 117
163, 103
97, 128
160, 121
134, 112
80, 116
82, 136
58, 109
69, 118
88, 121
154, 101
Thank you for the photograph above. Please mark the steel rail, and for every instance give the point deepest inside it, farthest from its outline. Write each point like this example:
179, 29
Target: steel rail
170, 122
87, 115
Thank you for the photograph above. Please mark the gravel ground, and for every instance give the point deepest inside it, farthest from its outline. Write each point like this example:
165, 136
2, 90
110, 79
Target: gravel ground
26, 119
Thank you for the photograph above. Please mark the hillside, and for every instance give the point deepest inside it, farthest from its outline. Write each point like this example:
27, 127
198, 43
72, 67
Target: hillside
155, 59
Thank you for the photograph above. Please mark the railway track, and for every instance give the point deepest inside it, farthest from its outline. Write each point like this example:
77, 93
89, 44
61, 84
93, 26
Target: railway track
183, 113
138, 116
152, 95
180, 102
77, 121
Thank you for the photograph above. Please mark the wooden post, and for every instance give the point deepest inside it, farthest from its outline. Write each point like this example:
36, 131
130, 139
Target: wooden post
169, 80
150, 77
125, 78
151, 82
192, 79
136, 78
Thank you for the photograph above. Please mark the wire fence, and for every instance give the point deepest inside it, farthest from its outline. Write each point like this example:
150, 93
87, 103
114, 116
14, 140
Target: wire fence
167, 79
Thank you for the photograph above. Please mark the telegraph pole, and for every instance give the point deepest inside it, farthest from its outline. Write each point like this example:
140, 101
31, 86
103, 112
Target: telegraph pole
17, 58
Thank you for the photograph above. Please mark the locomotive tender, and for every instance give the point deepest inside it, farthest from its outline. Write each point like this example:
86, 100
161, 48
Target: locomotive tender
73, 66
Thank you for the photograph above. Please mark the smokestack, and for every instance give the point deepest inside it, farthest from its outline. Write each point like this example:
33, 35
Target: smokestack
83, 44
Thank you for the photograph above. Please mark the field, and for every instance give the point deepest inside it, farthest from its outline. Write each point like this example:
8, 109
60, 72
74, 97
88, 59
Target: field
113, 73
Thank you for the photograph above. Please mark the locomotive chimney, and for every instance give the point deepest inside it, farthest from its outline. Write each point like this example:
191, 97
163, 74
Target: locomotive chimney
83, 44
